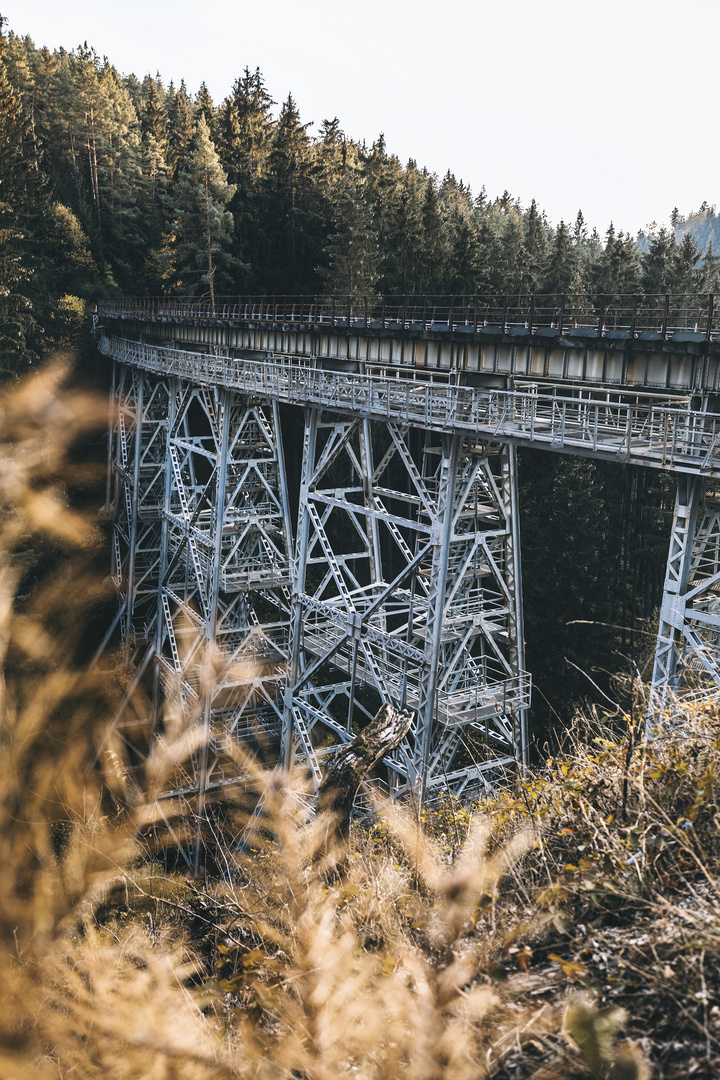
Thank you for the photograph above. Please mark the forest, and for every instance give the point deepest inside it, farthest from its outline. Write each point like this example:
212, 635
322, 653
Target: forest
565, 928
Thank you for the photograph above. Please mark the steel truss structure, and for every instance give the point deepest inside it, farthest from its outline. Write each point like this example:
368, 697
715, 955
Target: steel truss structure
689, 628
402, 583
407, 591
201, 562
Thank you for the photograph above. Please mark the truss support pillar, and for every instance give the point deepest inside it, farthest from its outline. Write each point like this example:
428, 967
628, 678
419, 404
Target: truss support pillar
160, 628
441, 537
516, 621
134, 514
407, 592
689, 628
299, 577
207, 684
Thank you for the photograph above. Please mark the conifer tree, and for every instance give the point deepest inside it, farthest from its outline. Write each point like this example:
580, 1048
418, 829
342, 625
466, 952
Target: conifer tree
404, 235
561, 270
463, 253
515, 272
199, 257
535, 245
20, 289
687, 257
709, 273
433, 253
352, 250
659, 262
206, 107
152, 112
180, 127
245, 129
294, 245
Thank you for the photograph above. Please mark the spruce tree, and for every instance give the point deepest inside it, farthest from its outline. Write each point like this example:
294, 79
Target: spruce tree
560, 275
20, 289
709, 273
352, 249
294, 244
535, 245
205, 105
199, 256
245, 129
659, 262
433, 253
180, 127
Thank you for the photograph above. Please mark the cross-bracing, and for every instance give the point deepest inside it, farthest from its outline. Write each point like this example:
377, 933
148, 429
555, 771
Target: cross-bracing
402, 581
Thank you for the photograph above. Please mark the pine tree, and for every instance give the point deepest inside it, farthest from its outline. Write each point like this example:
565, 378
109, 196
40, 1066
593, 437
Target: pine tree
294, 245
709, 274
180, 127
515, 272
536, 246
463, 254
404, 234
562, 265
20, 289
659, 262
352, 249
199, 256
615, 269
687, 257
433, 253
206, 107
152, 111
245, 129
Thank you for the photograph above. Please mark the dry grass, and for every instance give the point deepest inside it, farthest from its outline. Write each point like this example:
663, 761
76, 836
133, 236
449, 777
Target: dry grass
496, 944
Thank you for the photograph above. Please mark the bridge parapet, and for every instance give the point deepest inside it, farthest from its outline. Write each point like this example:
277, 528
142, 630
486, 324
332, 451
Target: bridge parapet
662, 342
681, 317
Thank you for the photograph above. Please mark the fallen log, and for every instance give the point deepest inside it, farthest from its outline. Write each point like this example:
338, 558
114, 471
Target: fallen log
345, 773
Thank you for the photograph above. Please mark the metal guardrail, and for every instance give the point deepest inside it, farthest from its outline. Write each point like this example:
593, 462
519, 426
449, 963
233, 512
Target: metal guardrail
662, 316
644, 428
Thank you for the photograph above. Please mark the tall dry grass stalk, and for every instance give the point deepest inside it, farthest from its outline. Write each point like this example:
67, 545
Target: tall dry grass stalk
113, 967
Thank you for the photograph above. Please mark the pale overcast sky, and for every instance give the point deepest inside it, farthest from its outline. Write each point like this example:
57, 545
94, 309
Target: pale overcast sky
609, 106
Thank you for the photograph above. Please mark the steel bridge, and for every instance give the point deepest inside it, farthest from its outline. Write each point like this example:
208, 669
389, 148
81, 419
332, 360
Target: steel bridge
316, 509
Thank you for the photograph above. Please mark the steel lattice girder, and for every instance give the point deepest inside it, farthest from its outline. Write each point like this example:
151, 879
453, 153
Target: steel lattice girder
139, 435
224, 597
200, 560
689, 628
406, 590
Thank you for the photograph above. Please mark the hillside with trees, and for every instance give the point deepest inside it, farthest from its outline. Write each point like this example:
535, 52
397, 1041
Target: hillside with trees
111, 184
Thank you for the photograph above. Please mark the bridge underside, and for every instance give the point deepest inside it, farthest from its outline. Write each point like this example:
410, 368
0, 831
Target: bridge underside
280, 607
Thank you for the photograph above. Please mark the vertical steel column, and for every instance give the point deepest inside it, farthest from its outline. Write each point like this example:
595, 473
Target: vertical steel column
134, 500
669, 648
160, 629
442, 528
516, 621
107, 508
208, 679
282, 478
689, 627
299, 574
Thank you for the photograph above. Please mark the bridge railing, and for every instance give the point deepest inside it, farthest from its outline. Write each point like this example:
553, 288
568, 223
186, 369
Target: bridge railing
647, 428
623, 316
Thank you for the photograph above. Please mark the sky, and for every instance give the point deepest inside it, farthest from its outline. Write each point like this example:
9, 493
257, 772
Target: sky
609, 107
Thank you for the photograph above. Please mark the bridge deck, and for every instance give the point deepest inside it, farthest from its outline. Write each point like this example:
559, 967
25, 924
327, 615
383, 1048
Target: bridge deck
641, 428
